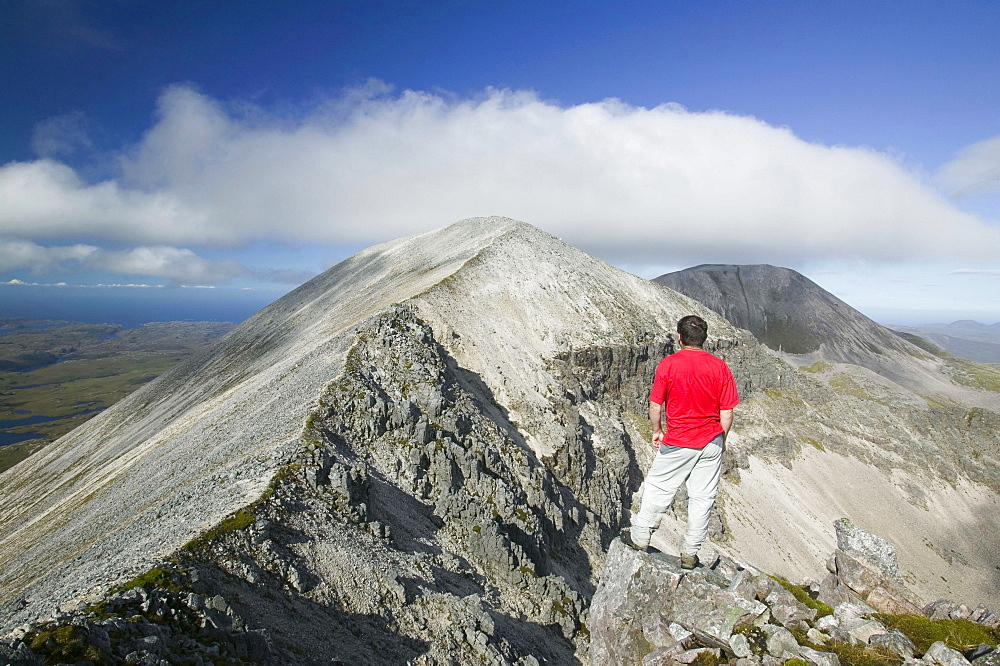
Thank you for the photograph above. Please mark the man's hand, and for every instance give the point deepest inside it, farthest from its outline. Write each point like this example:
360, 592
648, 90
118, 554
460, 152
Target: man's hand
656, 420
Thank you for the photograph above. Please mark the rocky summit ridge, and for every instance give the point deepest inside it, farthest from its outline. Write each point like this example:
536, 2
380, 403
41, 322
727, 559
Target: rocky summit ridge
423, 455
452, 411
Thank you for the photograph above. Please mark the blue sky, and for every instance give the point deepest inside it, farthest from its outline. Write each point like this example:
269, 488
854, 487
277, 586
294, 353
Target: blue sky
251, 145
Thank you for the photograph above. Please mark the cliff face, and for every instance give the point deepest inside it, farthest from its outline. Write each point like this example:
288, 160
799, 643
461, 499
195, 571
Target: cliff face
425, 453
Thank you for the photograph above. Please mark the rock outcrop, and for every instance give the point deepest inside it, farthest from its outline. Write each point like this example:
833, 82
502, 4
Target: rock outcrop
864, 568
647, 610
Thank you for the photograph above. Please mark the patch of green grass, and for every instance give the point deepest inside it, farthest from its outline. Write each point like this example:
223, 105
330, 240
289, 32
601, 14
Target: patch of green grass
778, 395
850, 654
706, 658
814, 443
844, 385
245, 517
240, 520
641, 424
313, 420
932, 402
803, 597
65, 644
155, 577
281, 476
818, 366
957, 634
923, 343
977, 375
755, 637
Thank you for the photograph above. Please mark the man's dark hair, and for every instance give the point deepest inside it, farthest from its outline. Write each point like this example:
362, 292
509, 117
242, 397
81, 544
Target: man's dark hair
693, 330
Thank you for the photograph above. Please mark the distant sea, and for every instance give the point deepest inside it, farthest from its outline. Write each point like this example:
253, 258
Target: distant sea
132, 307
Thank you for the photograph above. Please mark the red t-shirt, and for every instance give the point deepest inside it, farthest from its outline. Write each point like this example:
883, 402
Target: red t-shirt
695, 385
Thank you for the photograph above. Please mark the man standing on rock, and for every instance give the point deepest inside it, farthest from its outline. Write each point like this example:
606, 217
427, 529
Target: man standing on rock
700, 393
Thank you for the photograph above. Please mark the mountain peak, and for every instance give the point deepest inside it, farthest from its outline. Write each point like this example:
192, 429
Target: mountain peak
790, 313
510, 305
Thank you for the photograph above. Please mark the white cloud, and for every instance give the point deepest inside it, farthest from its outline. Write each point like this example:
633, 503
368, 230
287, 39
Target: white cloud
649, 186
47, 200
61, 135
176, 264
22, 283
16, 253
975, 170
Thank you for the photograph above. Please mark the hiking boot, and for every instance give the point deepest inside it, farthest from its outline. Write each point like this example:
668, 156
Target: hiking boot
626, 537
688, 561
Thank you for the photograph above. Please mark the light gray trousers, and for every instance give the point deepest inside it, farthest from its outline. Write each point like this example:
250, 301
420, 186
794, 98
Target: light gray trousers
674, 465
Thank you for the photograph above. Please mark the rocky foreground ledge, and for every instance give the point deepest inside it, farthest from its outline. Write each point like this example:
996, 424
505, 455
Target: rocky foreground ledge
648, 611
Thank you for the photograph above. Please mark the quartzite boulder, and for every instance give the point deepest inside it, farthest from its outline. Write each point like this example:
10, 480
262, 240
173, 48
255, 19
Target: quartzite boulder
641, 593
865, 569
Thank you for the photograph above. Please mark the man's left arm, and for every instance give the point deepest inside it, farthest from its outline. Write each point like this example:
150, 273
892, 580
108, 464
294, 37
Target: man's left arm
726, 419
729, 397
656, 421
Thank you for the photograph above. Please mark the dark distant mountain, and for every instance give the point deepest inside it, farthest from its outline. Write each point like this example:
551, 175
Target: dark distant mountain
791, 314
965, 339
968, 329
785, 310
